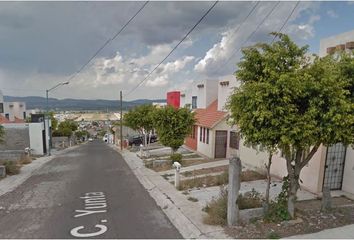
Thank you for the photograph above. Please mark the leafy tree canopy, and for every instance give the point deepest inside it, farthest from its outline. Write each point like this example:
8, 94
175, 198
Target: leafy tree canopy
173, 125
140, 118
293, 101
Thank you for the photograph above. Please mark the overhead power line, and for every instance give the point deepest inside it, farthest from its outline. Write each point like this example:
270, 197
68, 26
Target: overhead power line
149, 74
108, 41
251, 35
287, 19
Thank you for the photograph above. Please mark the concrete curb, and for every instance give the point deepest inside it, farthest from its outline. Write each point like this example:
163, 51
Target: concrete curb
10, 183
185, 215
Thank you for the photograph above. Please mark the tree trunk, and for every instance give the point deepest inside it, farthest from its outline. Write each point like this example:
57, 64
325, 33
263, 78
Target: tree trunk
268, 180
294, 174
149, 141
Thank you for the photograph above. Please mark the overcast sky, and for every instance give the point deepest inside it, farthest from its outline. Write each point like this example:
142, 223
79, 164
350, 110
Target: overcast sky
45, 43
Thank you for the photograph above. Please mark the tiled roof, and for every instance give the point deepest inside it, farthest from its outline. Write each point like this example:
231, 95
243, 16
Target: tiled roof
210, 116
17, 120
4, 119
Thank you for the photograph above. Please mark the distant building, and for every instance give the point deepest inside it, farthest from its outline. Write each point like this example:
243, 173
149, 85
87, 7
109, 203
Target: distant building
340, 42
159, 104
13, 112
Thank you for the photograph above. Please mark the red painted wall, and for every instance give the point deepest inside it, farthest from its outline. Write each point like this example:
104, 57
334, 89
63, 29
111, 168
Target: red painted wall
173, 99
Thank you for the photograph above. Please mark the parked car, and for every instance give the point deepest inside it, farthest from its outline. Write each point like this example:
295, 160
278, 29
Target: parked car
90, 139
139, 139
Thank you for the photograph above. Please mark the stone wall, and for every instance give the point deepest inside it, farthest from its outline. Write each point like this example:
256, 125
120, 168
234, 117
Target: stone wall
16, 139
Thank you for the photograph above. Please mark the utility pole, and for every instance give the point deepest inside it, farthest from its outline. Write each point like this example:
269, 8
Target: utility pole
121, 121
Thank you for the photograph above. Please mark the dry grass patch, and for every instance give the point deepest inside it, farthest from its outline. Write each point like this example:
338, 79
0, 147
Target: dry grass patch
12, 167
205, 171
222, 179
168, 165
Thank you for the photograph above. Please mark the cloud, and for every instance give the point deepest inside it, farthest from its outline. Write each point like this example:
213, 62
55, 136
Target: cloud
332, 14
219, 58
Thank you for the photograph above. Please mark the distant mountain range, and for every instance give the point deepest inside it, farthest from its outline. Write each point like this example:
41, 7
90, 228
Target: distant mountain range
78, 104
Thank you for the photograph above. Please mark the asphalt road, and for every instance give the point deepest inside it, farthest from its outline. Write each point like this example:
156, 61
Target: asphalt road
87, 192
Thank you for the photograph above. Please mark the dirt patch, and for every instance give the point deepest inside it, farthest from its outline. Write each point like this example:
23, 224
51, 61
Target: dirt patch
309, 219
210, 181
205, 171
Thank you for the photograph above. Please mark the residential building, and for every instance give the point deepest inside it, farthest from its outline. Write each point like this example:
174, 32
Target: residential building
341, 42
13, 111
212, 136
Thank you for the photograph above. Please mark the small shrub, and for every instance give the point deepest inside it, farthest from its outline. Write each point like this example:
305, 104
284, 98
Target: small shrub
11, 167
176, 157
217, 209
249, 200
278, 209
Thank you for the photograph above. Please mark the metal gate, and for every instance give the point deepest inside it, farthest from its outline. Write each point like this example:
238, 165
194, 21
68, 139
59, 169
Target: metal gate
220, 144
334, 168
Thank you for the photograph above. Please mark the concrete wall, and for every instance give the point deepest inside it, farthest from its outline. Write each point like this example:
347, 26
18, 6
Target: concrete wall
311, 175
12, 155
225, 88
334, 41
211, 92
36, 138
186, 98
348, 178
251, 157
16, 137
206, 149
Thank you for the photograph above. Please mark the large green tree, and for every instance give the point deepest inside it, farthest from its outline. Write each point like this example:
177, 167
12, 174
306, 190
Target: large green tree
173, 125
65, 128
289, 101
140, 119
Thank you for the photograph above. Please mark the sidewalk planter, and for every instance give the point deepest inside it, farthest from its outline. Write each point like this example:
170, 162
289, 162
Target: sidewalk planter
246, 215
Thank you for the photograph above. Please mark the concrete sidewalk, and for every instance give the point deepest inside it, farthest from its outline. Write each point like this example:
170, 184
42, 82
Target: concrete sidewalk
10, 183
187, 216
345, 232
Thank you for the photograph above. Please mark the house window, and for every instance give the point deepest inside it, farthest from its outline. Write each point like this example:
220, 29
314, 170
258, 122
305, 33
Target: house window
194, 102
7, 116
24, 115
207, 136
234, 140
200, 134
203, 135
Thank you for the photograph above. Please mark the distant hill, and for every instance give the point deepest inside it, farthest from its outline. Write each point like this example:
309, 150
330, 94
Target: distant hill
78, 104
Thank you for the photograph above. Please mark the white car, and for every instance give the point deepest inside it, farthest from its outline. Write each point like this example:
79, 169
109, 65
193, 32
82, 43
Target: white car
90, 139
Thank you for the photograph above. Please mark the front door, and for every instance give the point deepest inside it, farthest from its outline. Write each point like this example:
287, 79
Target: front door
334, 167
220, 144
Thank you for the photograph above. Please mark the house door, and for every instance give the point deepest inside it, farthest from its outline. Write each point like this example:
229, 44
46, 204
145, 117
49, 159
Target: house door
334, 167
220, 144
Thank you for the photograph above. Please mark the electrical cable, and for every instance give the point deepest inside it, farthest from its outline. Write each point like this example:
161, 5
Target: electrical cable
149, 74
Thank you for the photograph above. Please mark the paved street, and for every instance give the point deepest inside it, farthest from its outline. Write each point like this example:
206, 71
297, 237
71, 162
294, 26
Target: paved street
87, 192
